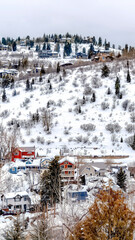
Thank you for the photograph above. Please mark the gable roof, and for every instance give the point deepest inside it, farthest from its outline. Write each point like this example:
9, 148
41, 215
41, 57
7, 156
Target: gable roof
26, 149
69, 159
14, 194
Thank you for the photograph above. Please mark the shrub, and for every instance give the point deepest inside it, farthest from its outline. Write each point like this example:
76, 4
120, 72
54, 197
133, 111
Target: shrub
96, 82
88, 127
113, 127
129, 128
132, 117
104, 105
87, 90
125, 104
131, 107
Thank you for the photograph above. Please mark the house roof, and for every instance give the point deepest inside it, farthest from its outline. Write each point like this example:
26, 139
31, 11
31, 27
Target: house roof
23, 149
69, 159
96, 165
14, 194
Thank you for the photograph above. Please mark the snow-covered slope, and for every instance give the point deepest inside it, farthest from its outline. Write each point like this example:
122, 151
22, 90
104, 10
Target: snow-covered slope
70, 107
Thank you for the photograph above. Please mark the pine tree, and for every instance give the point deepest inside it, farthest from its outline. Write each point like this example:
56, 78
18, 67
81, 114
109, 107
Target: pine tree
133, 144
121, 179
100, 41
58, 67
44, 46
93, 99
51, 184
108, 91
4, 97
14, 46
108, 219
105, 71
42, 70
128, 77
117, 86
27, 85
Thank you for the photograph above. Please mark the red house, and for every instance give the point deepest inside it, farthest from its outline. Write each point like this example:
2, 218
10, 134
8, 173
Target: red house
67, 166
23, 153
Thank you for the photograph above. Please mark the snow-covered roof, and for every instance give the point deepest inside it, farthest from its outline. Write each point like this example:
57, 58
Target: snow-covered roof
69, 159
14, 194
22, 149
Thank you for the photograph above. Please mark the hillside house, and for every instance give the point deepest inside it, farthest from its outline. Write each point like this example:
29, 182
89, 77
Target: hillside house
47, 54
67, 166
16, 202
23, 153
77, 196
88, 170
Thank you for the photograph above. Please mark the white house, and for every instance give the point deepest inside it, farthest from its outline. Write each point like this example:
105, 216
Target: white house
16, 201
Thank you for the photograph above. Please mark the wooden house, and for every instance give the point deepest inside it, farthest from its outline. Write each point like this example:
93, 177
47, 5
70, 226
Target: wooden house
16, 201
67, 166
23, 153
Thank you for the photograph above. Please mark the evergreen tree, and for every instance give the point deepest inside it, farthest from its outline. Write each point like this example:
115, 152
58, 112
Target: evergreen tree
51, 184
40, 78
117, 86
4, 42
84, 50
27, 85
76, 48
4, 97
121, 179
105, 71
93, 99
42, 70
108, 91
37, 116
133, 144
44, 46
37, 48
67, 48
128, 77
109, 218
58, 67
79, 109
90, 51
14, 46
100, 42
48, 46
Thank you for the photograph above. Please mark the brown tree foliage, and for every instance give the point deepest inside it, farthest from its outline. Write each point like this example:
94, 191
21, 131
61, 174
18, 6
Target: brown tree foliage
109, 218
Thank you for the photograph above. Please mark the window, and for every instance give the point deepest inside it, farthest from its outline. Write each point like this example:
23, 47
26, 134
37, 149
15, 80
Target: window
16, 153
17, 199
25, 198
69, 166
62, 166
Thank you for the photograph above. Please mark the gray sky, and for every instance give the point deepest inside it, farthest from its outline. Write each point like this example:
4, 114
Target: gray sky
110, 19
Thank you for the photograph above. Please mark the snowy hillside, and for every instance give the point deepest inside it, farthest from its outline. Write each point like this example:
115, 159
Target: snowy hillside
75, 121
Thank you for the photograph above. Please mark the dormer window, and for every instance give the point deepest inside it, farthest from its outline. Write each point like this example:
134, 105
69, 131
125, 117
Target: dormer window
17, 198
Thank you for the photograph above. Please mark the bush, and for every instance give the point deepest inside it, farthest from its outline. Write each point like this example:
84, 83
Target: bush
129, 128
113, 127
132, 117
125, 104
96, 82
88, 127
87, 90
104, 105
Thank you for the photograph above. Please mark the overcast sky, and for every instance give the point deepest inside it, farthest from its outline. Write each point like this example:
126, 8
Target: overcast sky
110, 19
